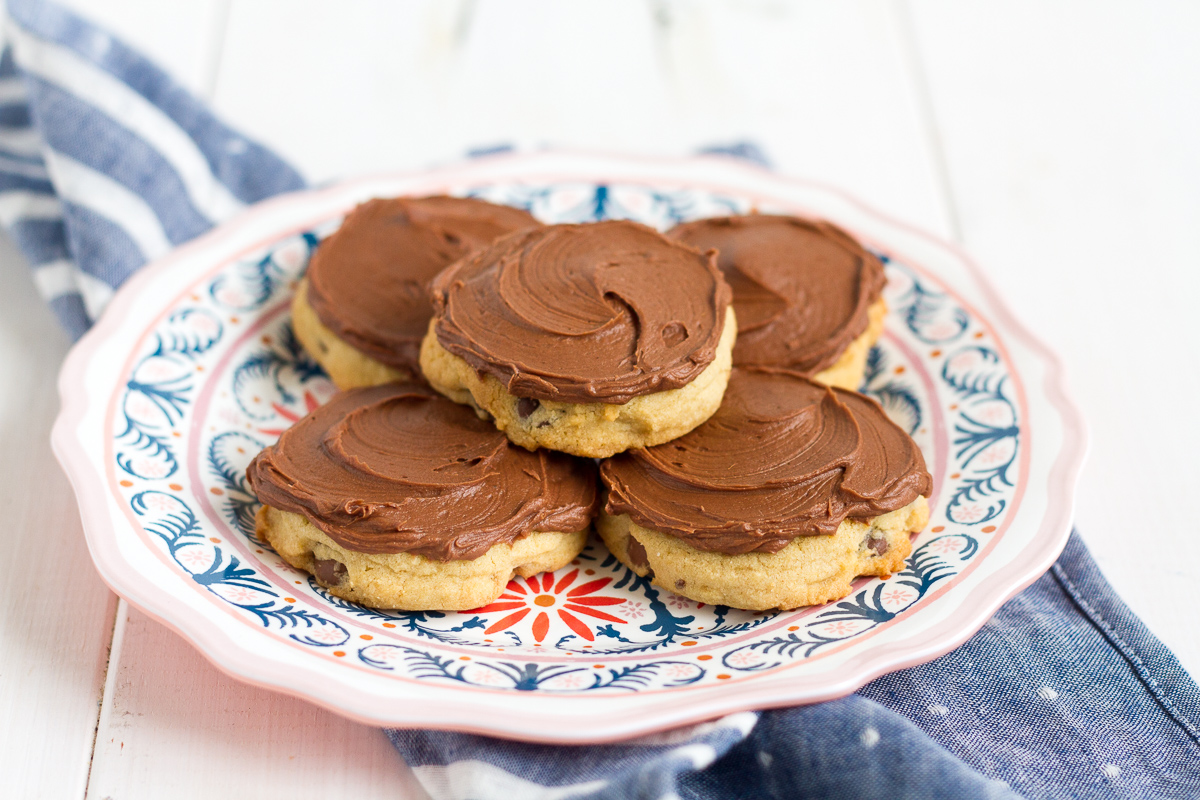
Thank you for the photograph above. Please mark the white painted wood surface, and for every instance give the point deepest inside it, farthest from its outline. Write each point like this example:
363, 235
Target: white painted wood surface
1071, 138
56, 616
1059, 142
172, 726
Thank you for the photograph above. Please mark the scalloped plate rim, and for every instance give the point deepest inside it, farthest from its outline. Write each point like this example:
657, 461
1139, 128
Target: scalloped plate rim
429, 710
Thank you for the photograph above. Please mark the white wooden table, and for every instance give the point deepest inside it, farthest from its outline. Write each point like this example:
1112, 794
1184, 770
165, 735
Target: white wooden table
1058, 142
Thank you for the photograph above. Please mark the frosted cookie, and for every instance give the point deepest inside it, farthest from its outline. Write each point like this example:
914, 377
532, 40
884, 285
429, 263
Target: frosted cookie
780, 500
363, 307
394, 497
590, 339
808, 296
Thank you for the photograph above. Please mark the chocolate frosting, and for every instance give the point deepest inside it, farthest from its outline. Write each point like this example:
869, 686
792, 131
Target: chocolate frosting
602, 312
400, 469
367, 281
783, 457
801, 288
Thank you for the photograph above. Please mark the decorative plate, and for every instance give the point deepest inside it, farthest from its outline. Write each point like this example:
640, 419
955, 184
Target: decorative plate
194, 369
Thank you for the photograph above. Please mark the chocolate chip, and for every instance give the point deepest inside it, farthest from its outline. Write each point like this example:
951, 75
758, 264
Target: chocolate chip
329, 572
637, 553
544, 423
674, 334
526, 406
681, 583
877, 543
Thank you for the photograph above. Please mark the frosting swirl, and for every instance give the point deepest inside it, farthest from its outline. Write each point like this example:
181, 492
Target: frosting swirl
400, 469
367, 281
783, 457
801, 288
602, 312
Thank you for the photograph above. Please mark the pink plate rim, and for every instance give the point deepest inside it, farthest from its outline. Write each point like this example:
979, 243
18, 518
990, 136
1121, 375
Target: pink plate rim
240, 662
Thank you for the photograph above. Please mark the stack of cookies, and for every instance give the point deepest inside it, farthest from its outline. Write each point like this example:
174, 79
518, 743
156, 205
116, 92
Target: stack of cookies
507, 384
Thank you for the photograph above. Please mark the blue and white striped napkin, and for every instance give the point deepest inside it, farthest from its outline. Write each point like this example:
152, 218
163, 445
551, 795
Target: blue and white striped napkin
106, 163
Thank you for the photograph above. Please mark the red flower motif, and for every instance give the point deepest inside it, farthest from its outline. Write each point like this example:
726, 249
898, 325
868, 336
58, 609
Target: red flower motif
541, 592
310, 403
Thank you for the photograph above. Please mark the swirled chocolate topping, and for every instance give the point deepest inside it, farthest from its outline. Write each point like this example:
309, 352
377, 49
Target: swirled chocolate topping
367, 281
602, 312
801, 288
400, 469
783, 457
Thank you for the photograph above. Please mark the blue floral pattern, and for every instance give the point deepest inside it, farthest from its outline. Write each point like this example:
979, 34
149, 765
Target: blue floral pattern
222, 375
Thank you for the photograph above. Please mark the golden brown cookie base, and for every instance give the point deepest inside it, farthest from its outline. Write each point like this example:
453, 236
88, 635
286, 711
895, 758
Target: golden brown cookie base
847, 371
347, 366
592, 430
809, 571
409, 582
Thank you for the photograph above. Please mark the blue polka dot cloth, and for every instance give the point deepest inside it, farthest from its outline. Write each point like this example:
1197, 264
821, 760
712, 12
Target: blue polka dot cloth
107, 163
